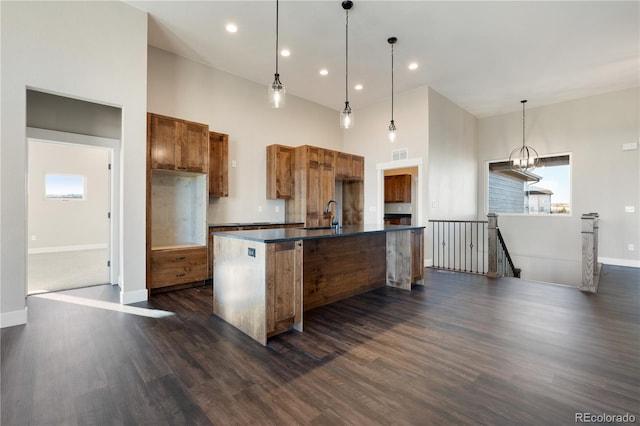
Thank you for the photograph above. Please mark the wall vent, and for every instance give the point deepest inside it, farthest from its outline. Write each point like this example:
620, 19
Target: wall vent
400, 154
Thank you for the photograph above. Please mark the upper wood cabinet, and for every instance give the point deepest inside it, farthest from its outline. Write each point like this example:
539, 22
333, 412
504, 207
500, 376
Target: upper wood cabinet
218, 165
349, 166
176, 144
280, 172
397, 189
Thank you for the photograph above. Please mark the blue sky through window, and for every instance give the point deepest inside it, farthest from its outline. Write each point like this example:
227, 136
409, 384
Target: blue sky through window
64, 186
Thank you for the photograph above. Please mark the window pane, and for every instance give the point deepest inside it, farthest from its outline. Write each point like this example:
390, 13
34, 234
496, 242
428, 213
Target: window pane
546, 190
64, 186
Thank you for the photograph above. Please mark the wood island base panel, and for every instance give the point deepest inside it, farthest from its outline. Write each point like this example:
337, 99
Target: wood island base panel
265, 279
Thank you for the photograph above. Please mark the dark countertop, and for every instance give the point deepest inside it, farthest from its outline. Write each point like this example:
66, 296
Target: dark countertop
292, 234
234, 225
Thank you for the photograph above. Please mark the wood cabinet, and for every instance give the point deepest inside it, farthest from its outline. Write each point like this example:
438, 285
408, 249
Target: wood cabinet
314, 186
176, 144
177, 168
349, 167
280, 172
260, 293
218, 165
283, 273
177, 266
417, 255
397, 189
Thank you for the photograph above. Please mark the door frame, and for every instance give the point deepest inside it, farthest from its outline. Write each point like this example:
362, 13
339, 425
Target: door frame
113, 145
393, 165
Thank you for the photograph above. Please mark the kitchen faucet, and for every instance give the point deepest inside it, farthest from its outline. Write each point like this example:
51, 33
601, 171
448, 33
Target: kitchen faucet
335, 221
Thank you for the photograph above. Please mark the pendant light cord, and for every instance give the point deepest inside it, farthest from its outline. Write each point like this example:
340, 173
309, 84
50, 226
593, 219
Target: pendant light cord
523, 122
346, 59
277, 31
392, 82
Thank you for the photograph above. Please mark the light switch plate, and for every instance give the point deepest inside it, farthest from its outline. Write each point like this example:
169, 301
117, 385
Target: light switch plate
629, 146
629, 209
631, 247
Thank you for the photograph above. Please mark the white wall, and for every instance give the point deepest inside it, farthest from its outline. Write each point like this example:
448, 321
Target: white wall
453, 150
92, 51
192, 91
368, 137
56, 224
605, 179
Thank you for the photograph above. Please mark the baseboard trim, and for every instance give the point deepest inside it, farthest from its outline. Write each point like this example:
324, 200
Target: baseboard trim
59, 249
619, 262
129, 297
11, 319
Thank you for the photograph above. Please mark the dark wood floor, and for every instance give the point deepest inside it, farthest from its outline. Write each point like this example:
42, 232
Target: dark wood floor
460, 350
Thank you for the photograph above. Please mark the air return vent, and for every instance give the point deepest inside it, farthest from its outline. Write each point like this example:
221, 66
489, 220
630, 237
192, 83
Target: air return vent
400, 154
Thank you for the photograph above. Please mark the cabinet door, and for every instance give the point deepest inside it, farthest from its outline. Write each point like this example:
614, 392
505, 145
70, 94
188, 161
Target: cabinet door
417, 254
178, 266
357, 167
327, 184
314, 193
192, 149
343, 165
389, 189
280, 166
162, 134
284, 286
218, 165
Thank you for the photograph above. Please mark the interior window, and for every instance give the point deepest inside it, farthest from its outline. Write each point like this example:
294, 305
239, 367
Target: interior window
544, 191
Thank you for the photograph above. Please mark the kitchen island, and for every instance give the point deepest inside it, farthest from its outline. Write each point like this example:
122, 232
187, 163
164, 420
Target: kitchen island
265, 279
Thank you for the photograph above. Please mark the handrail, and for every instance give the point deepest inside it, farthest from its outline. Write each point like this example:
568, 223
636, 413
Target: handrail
471, 246
512, 271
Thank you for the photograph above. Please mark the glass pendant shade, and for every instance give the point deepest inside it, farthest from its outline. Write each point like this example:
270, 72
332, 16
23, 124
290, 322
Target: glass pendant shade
277, 92
346, 117
392, 131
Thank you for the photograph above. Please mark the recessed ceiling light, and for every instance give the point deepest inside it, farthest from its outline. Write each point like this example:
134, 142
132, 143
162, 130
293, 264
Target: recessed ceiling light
285, 52
413, 66
324, 71
232, 28
358, 86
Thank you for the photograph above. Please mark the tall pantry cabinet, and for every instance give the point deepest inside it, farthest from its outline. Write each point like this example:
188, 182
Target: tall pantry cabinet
177, 199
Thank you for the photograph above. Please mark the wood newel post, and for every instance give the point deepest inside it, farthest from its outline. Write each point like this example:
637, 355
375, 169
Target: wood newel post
492, 255
590, 267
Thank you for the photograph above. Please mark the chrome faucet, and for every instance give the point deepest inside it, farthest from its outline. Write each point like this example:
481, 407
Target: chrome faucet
335, 220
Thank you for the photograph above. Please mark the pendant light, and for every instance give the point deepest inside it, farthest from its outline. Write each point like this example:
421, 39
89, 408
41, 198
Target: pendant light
277, 90
524, 158
392, 124
346, 116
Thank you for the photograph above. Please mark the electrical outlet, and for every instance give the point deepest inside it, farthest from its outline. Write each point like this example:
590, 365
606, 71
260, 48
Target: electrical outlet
259, 208
33, 238
277, 209
252, 252
233, 163
631, 247
629, 209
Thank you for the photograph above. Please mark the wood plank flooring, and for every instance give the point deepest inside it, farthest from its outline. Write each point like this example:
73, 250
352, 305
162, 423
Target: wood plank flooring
463, 349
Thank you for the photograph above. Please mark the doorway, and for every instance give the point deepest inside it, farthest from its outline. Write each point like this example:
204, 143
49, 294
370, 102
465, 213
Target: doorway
401, 206
69, 204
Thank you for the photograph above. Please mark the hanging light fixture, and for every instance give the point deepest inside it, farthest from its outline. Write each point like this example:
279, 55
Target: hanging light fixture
524, 158
392, 124
346, 116
277, 90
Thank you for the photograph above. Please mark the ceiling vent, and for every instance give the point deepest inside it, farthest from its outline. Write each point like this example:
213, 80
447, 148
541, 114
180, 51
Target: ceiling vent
400, 154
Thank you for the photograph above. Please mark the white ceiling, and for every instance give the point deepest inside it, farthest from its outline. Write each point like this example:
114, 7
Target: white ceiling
484, 56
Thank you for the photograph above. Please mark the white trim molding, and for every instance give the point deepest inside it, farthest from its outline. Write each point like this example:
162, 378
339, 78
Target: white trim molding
633, 263
11, 319
59, 249
129, 297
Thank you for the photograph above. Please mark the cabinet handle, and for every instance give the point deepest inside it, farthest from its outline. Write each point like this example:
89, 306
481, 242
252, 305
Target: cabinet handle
181, 258
180, 275
181, 168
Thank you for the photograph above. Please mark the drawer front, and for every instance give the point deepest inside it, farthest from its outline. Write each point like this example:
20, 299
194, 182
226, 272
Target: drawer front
171, 267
